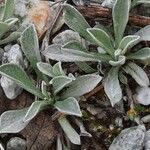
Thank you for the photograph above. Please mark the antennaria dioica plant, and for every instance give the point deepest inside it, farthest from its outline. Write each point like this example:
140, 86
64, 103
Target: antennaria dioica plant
58, 90
115, 51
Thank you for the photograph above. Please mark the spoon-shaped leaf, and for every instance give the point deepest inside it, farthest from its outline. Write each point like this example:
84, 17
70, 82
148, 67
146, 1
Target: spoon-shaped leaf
128, 42
137, 73
17, 74
81, 85
142, 54
69, 131
30, 46
59, 83
120, 18
69, 106
12, 121
8, 9
76, 21
102, 39
112, 86
55, 52
33, 110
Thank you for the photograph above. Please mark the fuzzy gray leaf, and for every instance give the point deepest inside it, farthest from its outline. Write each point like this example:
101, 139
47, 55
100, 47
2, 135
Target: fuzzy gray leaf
112, 86
17, 74
82, 85
120, 18
69, 131
69, 106
137, 73
12, 121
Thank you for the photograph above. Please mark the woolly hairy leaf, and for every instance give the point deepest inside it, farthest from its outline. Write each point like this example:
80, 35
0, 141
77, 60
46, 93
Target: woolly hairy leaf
17, 74
76, 21
59, 83
120, 18
30, 46
128, 41
69, 106
12, 121
33, 110
102, 39
112, 86
137, 73
137, 2
8, 9
81, 85
69, 131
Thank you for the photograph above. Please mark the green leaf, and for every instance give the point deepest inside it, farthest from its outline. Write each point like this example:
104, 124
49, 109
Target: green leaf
54, 52
85, 67
82, 65
120, 18
137, 73
17, 74
112, 86
102, 39
57, 70
69, 131
12, 121
59, 83
123, 78
69, 106
30, 46
46, 69
144, 33
128, 42
33, 110
75, 45
2, 6
9, 9
137, 2
13, 36
81, 85
76, 21
4, 27
142, 54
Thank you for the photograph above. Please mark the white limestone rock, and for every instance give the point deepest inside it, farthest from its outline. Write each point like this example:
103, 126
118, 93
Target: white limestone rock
142, 95
108, 3
129, 139
66, 36
147, 140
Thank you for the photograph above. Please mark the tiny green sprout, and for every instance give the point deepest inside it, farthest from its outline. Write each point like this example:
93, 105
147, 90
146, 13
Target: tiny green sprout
115, 51
7, 22
58, 90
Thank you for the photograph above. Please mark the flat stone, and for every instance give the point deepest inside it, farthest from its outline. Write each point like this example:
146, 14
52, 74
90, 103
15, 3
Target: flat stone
129, 139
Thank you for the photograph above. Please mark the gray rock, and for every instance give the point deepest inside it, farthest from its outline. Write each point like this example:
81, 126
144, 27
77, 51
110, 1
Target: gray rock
16, 143
14, 55
129, 139
147, 140
108, 3
142, 95
66, 36
11, 89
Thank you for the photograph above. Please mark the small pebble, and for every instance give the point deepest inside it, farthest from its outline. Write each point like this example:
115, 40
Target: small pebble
16, 143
